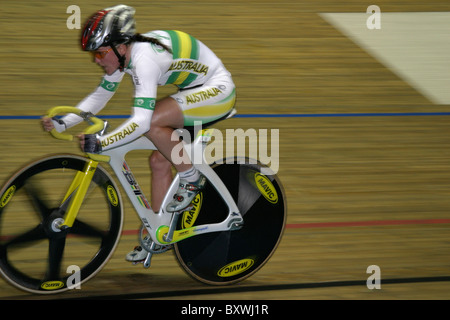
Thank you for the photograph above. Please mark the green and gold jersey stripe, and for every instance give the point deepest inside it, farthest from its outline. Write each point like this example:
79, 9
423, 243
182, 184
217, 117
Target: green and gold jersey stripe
184, 46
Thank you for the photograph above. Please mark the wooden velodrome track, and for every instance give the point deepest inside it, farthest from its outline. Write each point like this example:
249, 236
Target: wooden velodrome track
361, 190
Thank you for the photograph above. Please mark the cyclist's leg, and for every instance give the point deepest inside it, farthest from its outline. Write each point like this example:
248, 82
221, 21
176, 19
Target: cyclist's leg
166, 117
161, 176
176, 112
204, 104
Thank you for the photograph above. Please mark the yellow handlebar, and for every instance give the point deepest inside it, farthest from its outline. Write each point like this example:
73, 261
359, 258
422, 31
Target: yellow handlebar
95, 127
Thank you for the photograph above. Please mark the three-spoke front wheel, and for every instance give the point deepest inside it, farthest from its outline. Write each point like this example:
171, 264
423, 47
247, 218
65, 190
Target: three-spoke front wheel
36, 255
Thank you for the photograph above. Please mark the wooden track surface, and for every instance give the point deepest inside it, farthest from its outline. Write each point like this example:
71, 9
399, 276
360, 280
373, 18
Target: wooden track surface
361, 191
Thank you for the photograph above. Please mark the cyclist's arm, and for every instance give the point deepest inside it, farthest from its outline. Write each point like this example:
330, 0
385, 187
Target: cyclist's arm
145, 78
134, 127
93, 103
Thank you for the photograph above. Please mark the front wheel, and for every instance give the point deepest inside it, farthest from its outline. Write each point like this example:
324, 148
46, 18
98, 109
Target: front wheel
228, 257
37, 256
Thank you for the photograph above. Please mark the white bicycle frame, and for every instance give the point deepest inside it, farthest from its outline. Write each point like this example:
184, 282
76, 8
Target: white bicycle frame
161, 226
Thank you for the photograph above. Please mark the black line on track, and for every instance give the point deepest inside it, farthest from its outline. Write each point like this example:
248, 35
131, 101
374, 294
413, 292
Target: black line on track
240, 289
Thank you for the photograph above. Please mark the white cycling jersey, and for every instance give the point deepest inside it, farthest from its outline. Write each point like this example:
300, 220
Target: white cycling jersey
207, 91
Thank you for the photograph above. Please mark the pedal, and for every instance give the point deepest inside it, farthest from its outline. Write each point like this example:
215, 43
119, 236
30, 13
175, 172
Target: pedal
146, 262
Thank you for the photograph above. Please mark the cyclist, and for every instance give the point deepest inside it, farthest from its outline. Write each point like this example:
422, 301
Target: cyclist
206, 93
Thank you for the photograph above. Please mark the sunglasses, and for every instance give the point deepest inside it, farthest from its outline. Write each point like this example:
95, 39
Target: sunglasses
100, 54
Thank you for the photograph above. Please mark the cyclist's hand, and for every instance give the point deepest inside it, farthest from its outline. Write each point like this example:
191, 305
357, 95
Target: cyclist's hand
47, 123
90, 143
52, 123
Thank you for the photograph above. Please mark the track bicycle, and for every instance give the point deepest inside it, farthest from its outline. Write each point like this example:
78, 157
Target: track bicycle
61, 216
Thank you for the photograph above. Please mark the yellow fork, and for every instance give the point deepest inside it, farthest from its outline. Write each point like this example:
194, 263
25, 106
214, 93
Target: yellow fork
80, 185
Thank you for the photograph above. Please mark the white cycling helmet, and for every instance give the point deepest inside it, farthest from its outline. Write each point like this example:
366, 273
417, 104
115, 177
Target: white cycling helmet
108, 27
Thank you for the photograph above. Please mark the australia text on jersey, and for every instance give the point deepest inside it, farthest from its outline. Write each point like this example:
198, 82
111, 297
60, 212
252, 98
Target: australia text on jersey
120, 135
202, 95
187, 65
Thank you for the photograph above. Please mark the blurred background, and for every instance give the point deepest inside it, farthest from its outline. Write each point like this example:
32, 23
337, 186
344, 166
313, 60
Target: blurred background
363, 130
